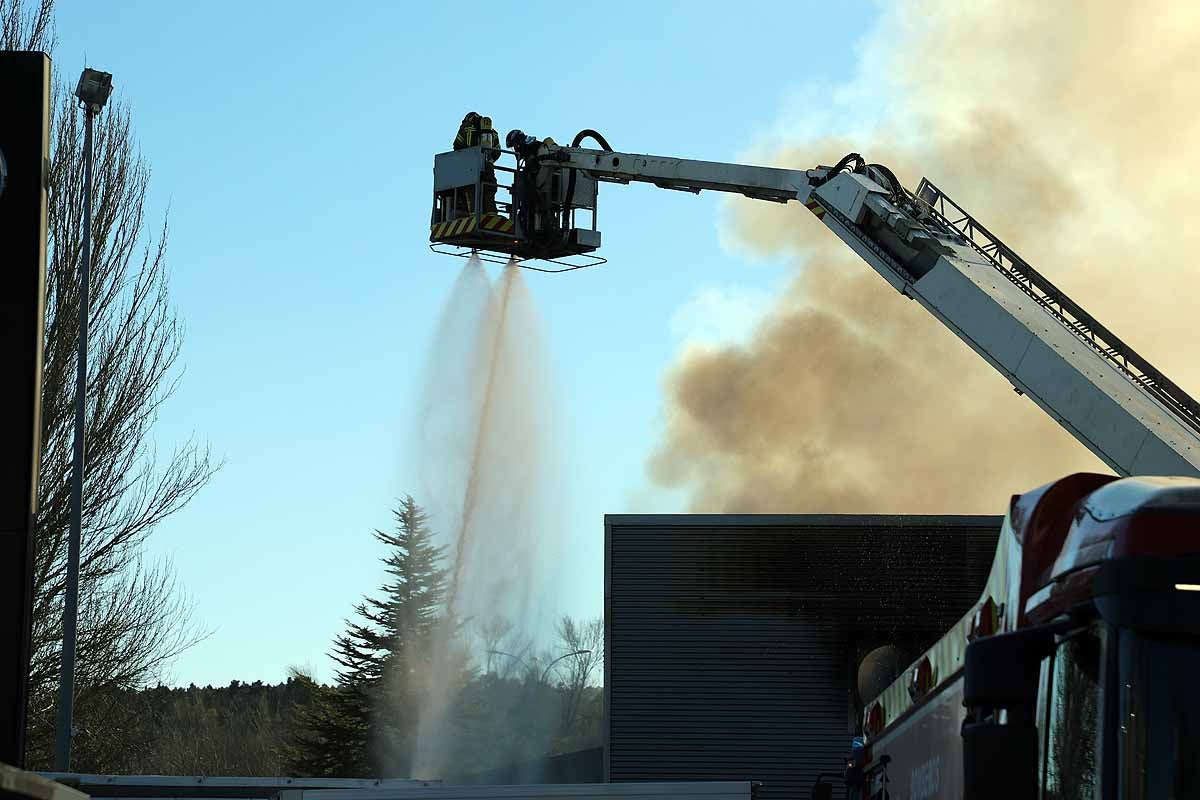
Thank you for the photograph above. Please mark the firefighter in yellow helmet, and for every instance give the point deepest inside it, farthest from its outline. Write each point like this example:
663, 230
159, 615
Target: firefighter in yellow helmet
477, 130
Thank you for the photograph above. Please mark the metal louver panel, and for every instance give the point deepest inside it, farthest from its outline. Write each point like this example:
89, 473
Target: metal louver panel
732, 641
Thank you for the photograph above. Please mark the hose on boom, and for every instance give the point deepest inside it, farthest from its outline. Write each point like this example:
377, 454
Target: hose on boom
896, 187
848, 159
586, 133
858, 164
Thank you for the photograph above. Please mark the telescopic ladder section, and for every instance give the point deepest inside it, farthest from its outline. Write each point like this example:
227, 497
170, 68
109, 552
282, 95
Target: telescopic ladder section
1097, 387
1056, 303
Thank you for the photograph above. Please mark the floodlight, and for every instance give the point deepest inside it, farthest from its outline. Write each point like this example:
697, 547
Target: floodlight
94, 88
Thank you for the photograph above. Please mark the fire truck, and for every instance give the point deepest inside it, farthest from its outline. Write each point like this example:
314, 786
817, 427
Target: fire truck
1075, 674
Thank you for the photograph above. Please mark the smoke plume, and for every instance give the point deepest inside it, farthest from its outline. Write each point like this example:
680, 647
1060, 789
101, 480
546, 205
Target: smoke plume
1072, 136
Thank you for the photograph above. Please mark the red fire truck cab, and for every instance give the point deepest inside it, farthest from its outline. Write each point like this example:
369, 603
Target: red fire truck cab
1076, 675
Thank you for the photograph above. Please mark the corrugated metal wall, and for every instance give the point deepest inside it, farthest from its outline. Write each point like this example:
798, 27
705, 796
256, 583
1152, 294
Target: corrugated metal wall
732, 641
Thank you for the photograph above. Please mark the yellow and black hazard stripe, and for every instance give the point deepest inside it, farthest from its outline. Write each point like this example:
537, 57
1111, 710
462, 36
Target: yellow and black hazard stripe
456, 227
495, 222
459, 227
816, 208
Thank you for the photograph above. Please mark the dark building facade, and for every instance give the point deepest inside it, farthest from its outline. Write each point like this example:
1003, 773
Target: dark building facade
733, 642
24, 159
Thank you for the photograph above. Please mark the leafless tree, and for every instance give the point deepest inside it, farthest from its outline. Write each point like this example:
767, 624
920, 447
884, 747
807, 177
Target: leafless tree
132, 621
25, 27
585, 641
202, 742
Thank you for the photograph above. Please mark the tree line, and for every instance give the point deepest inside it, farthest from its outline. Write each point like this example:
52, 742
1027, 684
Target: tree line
512, 702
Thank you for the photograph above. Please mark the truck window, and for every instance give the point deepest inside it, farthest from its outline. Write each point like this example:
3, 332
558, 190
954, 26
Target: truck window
1073, 718
1160, 717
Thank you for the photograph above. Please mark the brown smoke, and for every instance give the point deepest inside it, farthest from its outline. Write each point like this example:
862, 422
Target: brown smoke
1075, 137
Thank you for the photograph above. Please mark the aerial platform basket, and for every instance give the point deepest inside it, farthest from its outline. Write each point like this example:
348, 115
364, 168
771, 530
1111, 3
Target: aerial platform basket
534, 215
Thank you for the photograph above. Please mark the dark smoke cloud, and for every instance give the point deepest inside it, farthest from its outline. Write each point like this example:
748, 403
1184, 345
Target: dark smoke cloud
1074, 138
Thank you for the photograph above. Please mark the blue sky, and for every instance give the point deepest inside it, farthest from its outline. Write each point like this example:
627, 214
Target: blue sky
293, 143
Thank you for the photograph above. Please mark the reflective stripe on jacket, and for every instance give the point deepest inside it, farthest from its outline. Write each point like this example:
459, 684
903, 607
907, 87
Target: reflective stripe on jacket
470, 135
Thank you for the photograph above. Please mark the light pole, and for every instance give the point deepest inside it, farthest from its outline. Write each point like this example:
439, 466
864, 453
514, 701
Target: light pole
546, 671
93, 91
509, 655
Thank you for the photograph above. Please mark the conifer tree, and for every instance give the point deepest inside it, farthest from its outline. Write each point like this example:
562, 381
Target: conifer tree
409, 616
364, 725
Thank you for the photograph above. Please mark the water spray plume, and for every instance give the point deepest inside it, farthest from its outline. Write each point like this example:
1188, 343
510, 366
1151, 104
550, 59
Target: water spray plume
485, 444
1051, 129
470, 495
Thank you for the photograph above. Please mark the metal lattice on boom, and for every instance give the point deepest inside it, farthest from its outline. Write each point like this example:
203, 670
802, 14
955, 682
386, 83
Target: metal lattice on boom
1072, 316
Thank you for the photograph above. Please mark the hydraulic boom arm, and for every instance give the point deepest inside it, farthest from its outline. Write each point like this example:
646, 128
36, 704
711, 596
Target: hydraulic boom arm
761, 183
932, 251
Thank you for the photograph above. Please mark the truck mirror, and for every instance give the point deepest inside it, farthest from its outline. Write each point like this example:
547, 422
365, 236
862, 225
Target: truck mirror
1002, 671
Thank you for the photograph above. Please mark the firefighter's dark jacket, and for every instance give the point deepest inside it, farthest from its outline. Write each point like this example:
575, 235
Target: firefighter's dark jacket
478, 131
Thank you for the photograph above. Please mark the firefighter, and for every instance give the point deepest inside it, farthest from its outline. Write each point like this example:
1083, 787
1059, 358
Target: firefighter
477, 130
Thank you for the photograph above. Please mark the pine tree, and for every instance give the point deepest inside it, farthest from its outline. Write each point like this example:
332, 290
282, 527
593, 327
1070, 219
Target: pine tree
409, 616
364, 724
331, 740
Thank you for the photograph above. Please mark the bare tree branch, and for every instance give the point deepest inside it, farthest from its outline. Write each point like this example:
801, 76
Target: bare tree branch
25, 28
586, 643
133, 620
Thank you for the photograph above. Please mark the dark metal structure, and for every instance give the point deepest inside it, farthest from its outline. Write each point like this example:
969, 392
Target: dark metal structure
25, 143
581, 766
733, 642
208, 787
537, 221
